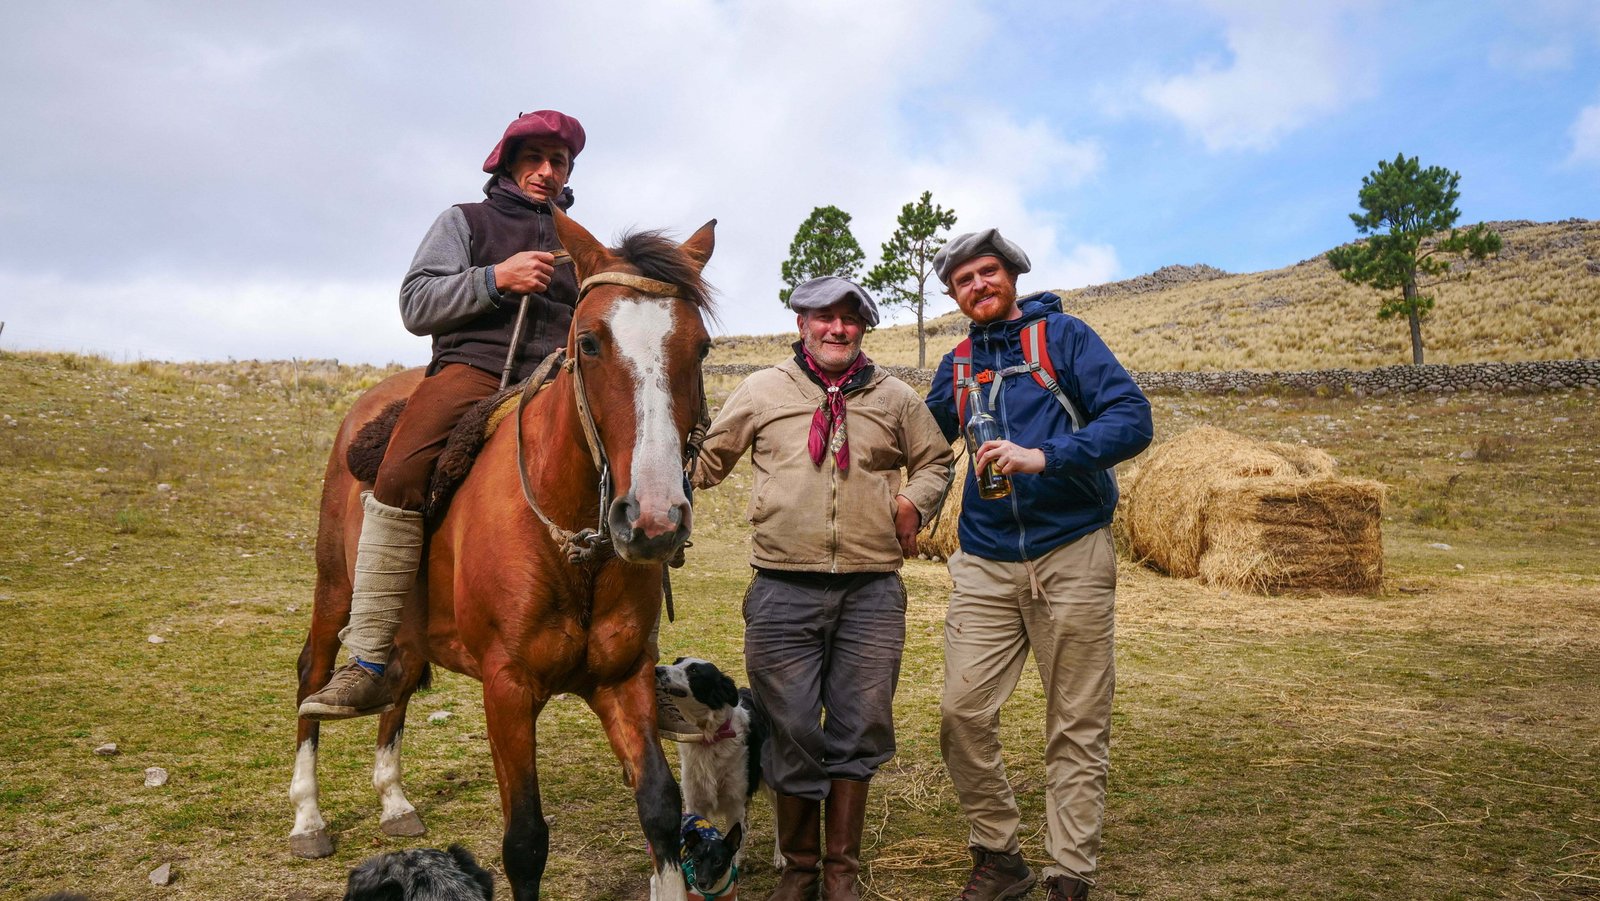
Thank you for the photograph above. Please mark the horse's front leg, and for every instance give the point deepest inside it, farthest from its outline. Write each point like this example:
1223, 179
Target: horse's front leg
511, 708
627, 710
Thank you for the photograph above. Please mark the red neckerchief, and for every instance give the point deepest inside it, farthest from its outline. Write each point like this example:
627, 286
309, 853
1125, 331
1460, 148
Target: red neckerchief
827, 424
724, 732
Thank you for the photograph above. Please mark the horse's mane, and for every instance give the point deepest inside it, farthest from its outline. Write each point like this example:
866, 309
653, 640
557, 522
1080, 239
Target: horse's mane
657, 256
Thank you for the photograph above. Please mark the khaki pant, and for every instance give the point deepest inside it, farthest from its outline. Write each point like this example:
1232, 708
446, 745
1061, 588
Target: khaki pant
1063, 606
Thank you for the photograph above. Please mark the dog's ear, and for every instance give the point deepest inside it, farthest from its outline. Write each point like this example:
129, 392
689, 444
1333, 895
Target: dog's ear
691, 841
469, 865
373, 881
734, 838
727, 694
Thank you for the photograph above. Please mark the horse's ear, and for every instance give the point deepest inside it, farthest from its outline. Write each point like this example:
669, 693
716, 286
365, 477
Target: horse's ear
698, 247
588, 254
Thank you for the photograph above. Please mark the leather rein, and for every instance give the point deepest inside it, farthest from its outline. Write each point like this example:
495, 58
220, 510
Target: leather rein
581, 547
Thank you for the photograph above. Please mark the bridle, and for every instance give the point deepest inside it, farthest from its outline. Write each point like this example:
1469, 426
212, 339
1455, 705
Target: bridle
582, 546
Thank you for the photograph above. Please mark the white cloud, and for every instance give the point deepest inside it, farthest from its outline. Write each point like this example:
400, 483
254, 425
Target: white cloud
1585, 132
179, 319
1288, 64
272, 174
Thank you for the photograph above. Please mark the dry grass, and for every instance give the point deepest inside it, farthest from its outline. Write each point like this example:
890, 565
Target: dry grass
1538, 300
1434, 741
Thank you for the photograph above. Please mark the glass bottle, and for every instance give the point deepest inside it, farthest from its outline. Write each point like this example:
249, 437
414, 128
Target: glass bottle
982, 427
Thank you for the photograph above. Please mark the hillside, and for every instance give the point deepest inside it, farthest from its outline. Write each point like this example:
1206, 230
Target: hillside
1538, 300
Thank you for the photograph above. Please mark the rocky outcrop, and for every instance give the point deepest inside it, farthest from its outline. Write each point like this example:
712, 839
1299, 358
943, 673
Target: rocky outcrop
1159, 280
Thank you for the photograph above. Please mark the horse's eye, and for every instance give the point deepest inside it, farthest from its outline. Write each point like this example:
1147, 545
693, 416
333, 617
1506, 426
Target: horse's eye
589, 345
705, 350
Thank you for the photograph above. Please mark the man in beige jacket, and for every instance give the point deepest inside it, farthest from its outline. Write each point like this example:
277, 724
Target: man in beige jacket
824, 615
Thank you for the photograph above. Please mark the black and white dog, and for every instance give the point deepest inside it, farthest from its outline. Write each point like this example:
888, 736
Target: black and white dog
719, 740
423, 874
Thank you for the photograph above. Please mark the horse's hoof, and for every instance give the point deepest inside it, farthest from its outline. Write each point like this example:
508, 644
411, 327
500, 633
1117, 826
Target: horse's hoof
311, 845
406, 825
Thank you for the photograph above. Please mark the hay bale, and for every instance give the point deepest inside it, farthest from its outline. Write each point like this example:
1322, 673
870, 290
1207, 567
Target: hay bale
1254, 516
939, 539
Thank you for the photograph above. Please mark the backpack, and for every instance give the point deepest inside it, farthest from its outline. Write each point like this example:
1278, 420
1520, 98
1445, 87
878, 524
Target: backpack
1036, 362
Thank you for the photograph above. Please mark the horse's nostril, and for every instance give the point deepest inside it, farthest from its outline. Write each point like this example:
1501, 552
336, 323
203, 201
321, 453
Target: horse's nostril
675, 516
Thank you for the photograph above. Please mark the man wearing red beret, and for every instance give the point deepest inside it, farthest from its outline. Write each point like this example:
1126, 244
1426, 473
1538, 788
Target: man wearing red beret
464, 288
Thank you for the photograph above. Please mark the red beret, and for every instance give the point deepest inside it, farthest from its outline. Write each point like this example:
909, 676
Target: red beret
545, 123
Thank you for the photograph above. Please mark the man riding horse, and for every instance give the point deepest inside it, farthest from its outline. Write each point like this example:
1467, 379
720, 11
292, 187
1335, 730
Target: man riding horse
475, 269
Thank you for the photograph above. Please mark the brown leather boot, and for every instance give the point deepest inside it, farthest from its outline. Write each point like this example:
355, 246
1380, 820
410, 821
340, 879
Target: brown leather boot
1066, 888
841, 867
799, 822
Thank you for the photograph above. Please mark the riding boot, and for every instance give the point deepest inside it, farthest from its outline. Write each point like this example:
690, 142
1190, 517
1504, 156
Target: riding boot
387, 557
798, 842
841, 866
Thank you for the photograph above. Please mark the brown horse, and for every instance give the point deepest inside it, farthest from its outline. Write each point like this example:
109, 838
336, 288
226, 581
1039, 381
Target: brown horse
498, 597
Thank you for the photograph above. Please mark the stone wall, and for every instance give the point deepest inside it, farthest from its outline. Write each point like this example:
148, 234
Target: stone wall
1499, 377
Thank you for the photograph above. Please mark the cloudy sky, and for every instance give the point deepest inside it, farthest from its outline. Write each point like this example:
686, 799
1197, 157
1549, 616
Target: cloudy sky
249, 180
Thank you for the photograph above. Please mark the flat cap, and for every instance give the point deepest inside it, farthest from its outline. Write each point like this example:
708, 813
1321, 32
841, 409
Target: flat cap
545, 123
987, 243
820, 293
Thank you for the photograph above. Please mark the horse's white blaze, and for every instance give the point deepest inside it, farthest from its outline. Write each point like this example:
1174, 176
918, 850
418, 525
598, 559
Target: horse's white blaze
386, 779
640, 327
303, 790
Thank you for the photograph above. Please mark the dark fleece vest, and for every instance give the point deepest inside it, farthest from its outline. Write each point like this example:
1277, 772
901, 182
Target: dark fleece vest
505, 223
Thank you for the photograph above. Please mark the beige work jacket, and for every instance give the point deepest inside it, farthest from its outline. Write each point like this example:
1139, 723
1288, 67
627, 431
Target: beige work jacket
819, 518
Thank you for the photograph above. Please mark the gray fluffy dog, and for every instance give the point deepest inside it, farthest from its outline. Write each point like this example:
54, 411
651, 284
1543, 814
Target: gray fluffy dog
425, 874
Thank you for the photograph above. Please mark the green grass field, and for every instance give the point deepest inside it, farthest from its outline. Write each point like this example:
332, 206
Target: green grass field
1437, 741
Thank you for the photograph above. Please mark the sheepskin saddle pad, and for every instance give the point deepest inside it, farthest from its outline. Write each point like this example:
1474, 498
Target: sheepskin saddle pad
367, 448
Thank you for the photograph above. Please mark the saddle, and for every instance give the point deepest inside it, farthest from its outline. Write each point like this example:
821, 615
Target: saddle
466, 440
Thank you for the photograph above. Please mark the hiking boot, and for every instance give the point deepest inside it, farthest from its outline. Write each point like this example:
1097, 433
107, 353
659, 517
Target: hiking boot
1066, 888
354, 690
996, 875
670, 722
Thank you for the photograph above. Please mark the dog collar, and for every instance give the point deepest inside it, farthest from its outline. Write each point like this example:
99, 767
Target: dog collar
724, 732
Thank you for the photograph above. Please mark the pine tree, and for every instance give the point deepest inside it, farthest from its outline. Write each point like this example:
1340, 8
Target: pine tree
1413, 204
901, 279
822, 246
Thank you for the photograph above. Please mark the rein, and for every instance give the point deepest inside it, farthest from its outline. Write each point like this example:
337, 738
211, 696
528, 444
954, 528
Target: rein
581, 546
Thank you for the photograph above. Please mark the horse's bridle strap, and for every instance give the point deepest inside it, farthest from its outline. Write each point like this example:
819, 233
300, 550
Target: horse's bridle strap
580, 547
628, 280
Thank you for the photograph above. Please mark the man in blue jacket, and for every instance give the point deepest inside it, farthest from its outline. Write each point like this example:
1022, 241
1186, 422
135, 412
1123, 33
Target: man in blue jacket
1036, 569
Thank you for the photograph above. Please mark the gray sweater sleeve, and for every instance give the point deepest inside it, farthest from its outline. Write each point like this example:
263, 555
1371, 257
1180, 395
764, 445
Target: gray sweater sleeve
441, 291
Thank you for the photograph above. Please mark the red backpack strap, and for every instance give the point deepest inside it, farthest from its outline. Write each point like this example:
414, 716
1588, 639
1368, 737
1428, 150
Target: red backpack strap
961, 377
1036, 351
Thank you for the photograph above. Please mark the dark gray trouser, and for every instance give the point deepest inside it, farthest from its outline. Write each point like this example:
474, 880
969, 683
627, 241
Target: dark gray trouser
823, 656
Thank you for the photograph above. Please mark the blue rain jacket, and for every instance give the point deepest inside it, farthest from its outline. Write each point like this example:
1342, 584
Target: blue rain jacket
1076, 494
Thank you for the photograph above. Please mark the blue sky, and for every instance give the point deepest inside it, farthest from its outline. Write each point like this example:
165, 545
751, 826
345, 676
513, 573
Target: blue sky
209, 181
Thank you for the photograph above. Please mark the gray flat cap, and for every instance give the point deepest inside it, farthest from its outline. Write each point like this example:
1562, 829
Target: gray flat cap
829, 290
987, 243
